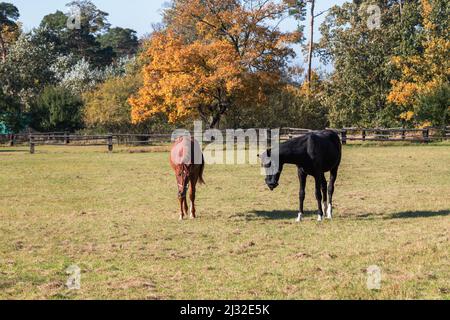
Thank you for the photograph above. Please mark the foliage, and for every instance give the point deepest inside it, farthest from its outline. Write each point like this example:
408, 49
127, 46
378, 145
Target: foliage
211, 57
123, 42
8, 26
24, 73
10, 112
228, 63
121, 67
80, 77
57, 109
433, 107
425, 76
26, 70
292, 106
8, 14
82, 42
360, 82
53, 55
93, 20
107, 106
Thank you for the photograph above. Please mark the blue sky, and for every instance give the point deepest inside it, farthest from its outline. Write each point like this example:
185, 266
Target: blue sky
135, 14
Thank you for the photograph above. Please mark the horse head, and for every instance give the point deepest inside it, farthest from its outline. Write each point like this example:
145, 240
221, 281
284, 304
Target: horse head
272, 169
182, 175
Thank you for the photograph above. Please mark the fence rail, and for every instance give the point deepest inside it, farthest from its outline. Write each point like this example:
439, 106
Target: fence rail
425, 135
379, 134
347, 134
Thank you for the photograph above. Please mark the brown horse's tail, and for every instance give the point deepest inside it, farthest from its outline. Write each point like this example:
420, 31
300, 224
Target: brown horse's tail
202, 170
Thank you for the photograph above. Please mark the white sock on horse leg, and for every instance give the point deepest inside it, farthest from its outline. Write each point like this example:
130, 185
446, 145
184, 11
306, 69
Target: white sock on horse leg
192, 209
324, 207
330, 211
300, 217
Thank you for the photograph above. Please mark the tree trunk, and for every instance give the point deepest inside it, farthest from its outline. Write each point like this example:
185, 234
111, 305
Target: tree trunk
212, 120
311, 44
216, 114
215, 121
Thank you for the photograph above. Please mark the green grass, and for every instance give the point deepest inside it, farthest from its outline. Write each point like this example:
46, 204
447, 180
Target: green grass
116, 216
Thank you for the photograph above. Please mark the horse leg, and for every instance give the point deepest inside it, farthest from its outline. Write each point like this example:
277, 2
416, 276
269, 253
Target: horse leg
194, 180
186, 208
302, 177
324, 193
333, 177
182, 206
318, 179
192, 198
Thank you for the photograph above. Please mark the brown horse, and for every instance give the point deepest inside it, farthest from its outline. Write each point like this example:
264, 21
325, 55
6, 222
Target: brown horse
186, 159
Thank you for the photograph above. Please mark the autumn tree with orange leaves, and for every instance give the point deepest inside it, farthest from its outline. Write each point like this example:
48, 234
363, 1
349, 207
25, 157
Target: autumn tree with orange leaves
212, 56
422, 92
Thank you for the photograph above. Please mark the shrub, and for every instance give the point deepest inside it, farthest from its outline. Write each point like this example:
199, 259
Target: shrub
57, 109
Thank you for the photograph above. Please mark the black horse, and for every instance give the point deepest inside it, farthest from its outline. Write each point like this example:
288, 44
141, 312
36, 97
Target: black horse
314, 154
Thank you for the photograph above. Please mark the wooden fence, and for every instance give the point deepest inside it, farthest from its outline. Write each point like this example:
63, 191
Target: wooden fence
380, 134
141, 139
22, 138
68, 139
347, 134
394, 134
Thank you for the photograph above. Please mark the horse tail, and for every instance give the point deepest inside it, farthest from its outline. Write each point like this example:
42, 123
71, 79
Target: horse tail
202, 170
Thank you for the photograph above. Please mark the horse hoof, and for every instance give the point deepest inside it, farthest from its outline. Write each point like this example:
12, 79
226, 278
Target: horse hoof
319, 219
300, 218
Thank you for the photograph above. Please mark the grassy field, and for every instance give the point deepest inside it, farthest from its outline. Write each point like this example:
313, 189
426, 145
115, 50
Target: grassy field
116, 217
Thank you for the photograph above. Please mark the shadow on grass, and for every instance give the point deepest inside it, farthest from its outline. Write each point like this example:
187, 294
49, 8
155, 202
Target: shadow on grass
419, 214
12, 151
280, 214
290, 214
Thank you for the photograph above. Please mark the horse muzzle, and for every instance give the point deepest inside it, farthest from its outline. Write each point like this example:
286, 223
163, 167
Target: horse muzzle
273, 186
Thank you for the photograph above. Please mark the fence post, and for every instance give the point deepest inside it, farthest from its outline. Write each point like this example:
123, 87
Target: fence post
364, 135
403, 134
32, 144
11, 140
344, 136
66, 137
426, 135
110, 143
